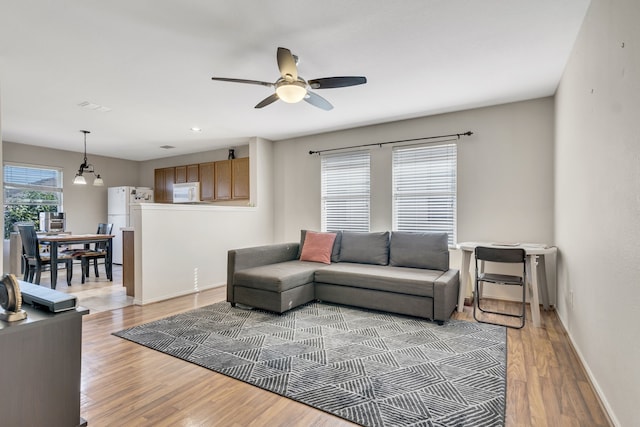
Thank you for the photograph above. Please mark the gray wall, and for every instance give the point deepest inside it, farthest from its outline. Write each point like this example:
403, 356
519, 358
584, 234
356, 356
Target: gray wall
505, 176
597, 202
85, 205
505, 172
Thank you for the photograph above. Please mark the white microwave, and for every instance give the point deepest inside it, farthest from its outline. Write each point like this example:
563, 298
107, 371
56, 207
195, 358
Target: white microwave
188, 192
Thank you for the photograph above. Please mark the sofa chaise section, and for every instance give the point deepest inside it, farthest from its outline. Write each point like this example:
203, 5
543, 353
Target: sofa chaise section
269, 277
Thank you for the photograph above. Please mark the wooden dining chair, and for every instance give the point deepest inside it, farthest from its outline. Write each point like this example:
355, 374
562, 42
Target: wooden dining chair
99, 251
36, 260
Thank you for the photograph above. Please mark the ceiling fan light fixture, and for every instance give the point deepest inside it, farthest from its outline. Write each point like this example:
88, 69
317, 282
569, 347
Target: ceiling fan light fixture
291, 92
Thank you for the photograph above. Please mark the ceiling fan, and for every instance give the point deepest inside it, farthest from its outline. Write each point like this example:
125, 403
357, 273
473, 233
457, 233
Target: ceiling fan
292, 88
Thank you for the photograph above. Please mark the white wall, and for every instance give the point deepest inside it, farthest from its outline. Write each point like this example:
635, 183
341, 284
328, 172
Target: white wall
5, 243
597, 205
505, 174
183, 248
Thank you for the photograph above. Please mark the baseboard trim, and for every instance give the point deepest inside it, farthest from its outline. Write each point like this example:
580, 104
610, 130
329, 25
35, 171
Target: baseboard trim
137, 301
602, 401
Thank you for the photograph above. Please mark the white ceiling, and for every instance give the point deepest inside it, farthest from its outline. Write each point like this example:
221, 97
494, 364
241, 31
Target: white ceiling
151, 63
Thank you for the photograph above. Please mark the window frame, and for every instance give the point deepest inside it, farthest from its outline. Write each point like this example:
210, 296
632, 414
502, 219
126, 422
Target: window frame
440, 179
57, 189
351, 196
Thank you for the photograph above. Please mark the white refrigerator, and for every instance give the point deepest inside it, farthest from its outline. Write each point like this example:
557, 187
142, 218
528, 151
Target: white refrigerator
118, 212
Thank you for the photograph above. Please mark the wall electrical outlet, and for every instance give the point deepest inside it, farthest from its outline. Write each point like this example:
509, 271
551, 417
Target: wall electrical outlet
571, 298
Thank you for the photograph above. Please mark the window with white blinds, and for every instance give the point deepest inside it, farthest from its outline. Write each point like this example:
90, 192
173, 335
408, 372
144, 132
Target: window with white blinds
424, 189
345, 191
29, 190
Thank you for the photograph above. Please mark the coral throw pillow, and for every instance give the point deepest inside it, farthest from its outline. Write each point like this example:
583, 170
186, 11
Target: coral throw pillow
317, 247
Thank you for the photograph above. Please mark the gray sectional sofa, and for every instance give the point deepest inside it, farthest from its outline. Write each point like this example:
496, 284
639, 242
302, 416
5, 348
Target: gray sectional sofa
398, 272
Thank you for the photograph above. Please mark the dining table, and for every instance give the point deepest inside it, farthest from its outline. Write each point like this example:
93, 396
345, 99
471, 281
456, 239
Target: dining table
57, 240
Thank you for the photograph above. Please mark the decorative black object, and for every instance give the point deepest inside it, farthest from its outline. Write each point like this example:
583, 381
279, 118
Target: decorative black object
232, 154
369, 367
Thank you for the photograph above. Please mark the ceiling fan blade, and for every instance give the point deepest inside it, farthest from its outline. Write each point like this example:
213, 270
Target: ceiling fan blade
333, 82
252, 82
318, 101
268, 100
287, 64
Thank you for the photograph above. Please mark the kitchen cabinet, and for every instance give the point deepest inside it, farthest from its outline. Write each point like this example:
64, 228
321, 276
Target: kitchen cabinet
181, 174
207, 179
164, 179
158, 185
240, 178
232, 179
222, 173
219, 181
193, 173
188, 173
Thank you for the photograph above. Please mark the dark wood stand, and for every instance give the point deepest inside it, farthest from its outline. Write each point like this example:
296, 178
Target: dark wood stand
128, 262
40, 364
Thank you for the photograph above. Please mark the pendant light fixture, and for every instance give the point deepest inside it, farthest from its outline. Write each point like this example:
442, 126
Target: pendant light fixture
86, 167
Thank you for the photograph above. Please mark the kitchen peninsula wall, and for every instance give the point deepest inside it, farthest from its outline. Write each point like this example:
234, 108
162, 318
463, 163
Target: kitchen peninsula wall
185, 246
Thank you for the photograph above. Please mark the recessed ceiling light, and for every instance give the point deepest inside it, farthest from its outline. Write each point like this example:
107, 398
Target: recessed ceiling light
196, 129
167, 147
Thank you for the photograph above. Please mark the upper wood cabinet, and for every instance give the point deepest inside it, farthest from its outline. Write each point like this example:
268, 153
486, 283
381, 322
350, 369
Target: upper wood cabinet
221, 180
240, 178
164, 179
181, 174
193, 173
207, 192
232, 179
189, 173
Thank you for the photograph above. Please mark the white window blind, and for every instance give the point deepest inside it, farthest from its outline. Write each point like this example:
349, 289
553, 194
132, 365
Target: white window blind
32, 185
345, 191
424, 189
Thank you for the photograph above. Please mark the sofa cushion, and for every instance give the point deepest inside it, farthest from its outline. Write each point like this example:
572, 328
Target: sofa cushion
419, 250
317, 247
277, 277
335, 252
410, 281
365, 248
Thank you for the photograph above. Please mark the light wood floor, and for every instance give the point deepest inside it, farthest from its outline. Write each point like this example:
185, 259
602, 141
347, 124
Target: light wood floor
127, 384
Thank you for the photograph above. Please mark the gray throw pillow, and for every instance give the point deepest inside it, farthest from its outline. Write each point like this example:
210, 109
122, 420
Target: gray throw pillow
365, 248
419, 250
335, 252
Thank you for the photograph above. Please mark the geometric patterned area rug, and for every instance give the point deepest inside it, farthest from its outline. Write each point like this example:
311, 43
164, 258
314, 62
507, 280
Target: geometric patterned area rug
368, 367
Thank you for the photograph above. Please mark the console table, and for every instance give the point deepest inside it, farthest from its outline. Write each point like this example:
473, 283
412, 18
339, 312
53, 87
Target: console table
40, 369
535, 266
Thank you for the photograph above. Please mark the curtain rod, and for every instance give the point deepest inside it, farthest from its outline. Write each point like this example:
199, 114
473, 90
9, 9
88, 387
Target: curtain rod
380, 144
